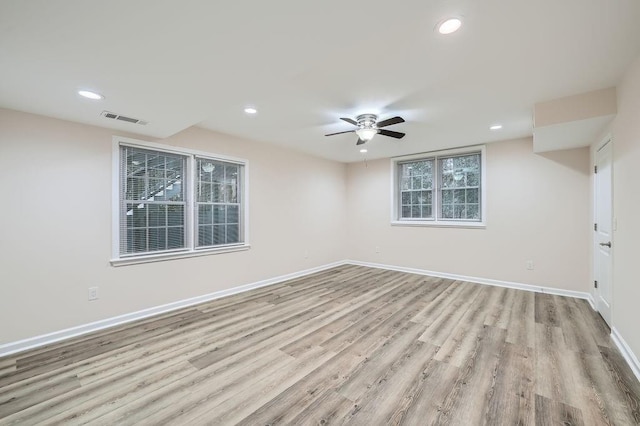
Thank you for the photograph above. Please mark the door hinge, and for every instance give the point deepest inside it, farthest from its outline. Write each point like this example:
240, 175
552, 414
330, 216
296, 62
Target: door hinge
595, 226
595, 169
595, 284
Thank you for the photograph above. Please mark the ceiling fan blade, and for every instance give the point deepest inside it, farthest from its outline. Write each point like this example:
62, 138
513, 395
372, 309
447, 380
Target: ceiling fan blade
360, 142
391, 133
390, 121
348, 120
339, 133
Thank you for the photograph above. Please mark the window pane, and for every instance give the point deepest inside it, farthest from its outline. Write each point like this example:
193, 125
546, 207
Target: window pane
150, 179
136, 216
447, 211
218, 193
232, 214
473, 211
232, 234
463, 173
405, 183
218, 234
205, 214
205, 235
175, 215
135, 188
157, 239
472, 195
416, 182
137, 240
175, 237
157, 214
205, 192
219, 215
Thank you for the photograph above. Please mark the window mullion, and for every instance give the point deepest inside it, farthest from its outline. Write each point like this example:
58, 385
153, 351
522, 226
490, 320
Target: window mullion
190, 209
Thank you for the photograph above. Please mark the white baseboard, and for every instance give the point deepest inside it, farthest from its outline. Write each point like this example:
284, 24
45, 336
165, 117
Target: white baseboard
487, 281
592, 302
56, 336
626, 351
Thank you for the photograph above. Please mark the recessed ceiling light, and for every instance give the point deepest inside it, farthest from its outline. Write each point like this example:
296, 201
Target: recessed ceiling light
90, 95
250, 110
496, 127
363, 150
449, 26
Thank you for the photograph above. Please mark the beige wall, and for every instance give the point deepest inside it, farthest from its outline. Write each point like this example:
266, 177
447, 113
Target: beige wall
626, 208
537, 209
56, 225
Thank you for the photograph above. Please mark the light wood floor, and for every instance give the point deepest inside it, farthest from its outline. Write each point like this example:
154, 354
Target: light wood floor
349, 345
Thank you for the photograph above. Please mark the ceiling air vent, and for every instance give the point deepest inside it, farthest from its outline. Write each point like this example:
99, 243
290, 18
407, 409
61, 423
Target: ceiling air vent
119, 117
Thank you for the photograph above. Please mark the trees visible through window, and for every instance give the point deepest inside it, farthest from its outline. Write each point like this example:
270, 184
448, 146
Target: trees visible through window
440, 188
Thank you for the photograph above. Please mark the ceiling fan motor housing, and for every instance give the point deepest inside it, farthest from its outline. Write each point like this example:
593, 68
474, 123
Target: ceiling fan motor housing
367, 121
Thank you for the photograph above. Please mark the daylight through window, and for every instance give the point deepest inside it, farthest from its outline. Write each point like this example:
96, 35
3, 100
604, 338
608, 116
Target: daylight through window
174, 201
439, 188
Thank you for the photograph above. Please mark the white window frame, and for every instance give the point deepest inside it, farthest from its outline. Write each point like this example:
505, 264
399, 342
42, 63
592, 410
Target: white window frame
435, 222
191, 249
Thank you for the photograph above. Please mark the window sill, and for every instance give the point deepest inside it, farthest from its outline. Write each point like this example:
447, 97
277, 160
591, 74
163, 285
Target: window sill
179, 255
441, 224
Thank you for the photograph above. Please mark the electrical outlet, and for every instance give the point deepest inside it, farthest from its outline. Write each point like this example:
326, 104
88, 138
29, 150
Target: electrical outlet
306, 254
377, 249
93, 293
530, 265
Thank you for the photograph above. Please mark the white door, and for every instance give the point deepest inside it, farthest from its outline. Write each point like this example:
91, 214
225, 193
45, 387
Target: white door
603, 231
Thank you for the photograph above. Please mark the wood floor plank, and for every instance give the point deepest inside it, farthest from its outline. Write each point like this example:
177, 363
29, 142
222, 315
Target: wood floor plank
427, 394
621, 389
389, 397
556, 378
546, 309
347, 345
203, 388
577, 335
375, 367
512, 400
352, 315
329, 408
460, 343
521, 326
237, 407
445, 323
466, 404
550, 412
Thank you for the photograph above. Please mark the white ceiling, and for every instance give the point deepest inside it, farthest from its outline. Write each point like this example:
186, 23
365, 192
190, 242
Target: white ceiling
304, 64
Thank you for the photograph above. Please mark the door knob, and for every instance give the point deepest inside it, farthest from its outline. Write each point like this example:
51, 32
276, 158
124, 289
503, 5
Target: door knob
607, 244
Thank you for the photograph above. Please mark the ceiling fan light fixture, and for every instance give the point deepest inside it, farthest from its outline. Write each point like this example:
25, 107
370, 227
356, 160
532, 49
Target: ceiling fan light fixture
450, 25
366, 134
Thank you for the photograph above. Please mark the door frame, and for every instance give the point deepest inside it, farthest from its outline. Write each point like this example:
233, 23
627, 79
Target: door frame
608, 139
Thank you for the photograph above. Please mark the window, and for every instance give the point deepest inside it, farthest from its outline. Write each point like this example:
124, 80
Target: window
218, 203
174, 202
443, 188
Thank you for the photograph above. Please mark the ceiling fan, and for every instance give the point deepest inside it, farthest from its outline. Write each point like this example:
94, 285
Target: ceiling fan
368, 127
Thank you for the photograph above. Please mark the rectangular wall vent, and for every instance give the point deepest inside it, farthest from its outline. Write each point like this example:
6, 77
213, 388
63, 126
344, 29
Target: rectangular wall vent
119, 117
